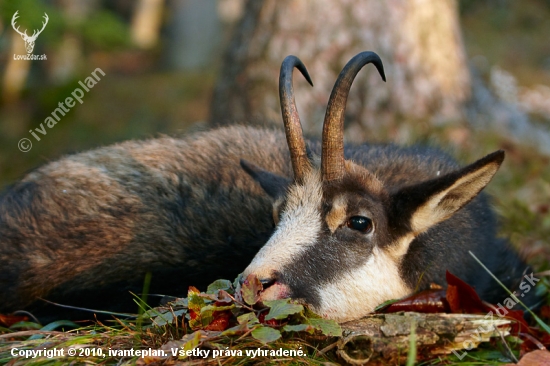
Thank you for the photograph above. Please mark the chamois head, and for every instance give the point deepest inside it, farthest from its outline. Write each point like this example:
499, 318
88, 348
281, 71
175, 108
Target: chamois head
341, 234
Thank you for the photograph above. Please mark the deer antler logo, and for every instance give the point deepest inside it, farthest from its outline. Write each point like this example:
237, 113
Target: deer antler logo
29, 40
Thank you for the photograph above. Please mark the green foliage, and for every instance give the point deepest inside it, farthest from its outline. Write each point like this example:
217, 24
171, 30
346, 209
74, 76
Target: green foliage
265, 323
218, 285
105, 30
299, 328
248, 319
266, 334
101, 29
327, 327
281, 309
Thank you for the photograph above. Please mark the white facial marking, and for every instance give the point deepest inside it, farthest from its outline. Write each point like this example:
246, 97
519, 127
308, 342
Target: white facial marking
357, 292
298, 229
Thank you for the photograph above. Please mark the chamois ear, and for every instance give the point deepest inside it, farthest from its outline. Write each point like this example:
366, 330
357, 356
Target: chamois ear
274, 185
418, 207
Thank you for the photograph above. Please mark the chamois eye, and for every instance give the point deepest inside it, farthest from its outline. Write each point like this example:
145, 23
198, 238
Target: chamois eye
360, 223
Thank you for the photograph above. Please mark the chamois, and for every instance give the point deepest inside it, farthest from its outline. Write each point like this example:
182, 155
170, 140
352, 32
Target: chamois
342, 228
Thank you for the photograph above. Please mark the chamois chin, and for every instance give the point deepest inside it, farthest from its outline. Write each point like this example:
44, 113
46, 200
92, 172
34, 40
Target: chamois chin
341, 228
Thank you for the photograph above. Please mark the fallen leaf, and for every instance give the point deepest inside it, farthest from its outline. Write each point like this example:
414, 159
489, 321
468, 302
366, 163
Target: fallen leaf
220, 322
545, 311
281, 309
327, 326
251, 289
299, 328
271, 322
462, 298
9, 320
535, 358
427, 301
266, 334
217, 285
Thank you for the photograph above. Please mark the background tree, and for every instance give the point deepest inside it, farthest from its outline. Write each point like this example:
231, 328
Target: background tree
420, 42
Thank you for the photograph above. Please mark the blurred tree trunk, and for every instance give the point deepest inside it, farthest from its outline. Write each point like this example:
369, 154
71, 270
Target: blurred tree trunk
193, 34
418, 40
146, 23
15, 72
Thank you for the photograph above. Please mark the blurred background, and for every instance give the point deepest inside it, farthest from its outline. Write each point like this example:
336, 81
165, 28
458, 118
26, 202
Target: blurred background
466, 75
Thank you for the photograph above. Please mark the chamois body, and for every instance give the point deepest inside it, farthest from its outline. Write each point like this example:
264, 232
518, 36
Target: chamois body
341, 228
92, 224
99, 220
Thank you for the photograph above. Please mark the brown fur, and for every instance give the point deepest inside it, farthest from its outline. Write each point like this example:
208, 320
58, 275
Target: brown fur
112, 214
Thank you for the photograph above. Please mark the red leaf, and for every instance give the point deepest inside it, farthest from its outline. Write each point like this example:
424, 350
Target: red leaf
9, 320
545, 311
462, 298
193, 290
192, 314
427, 301
520, 325
221, 321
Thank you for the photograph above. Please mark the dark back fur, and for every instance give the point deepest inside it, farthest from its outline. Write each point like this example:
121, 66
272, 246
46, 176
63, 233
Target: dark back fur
99, 220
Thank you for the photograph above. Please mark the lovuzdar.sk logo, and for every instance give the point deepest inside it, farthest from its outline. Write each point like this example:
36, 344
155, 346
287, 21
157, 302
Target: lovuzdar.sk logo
29, 40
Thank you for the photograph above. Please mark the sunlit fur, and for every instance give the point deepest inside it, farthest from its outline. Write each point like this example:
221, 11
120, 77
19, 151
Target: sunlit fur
84, 230
426, 215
